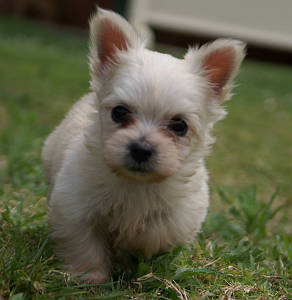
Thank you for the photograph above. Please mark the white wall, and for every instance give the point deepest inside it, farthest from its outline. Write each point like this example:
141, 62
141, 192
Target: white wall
261, 22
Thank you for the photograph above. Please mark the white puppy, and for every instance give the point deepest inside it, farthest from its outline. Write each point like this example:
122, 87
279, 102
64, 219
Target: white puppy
126, 165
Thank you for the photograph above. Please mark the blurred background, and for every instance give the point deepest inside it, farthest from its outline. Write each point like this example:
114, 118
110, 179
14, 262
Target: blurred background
43, 70
265, 24
64, 12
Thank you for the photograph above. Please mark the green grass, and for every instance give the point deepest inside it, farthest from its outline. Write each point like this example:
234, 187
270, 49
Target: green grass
245, 247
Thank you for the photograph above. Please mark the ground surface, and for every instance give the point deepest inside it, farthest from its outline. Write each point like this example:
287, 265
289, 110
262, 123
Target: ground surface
244, 250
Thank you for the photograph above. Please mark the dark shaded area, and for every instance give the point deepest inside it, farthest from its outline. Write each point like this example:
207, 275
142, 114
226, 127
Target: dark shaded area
180, 39
68, 12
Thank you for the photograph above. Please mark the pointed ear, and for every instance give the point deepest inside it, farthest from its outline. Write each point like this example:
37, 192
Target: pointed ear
219, 63
109, 34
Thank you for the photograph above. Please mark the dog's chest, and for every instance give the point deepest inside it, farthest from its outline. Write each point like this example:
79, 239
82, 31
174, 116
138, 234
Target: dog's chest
149, 220
140, 221
148, 234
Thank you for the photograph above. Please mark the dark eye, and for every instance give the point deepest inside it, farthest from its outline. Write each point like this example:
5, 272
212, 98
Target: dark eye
120, 114
178, 126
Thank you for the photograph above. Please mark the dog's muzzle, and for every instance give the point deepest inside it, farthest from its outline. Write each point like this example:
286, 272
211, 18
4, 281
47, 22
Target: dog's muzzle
140, 157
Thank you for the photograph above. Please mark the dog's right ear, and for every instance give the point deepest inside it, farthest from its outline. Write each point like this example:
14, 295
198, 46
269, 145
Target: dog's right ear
109, 34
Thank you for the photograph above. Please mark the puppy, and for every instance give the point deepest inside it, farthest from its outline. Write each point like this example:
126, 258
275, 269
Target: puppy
126, 165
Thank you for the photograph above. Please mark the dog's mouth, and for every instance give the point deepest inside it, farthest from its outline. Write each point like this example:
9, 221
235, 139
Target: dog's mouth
140, 167
139, 174
139, 170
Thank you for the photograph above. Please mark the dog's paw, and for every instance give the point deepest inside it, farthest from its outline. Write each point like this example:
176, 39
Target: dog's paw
93, 277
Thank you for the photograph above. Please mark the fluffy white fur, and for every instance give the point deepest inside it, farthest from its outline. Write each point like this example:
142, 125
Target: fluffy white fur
97, 205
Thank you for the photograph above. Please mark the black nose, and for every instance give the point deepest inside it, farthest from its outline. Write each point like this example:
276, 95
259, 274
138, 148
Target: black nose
140, 153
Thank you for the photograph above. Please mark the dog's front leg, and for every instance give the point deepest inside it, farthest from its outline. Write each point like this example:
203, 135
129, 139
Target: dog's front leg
81, 245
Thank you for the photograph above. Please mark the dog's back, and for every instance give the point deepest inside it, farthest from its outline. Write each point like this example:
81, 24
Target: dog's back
61, 138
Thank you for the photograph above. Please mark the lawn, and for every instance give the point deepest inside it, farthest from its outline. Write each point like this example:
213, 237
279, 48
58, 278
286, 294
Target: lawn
245, 247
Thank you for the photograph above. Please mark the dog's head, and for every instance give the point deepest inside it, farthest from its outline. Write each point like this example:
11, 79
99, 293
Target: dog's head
155, 110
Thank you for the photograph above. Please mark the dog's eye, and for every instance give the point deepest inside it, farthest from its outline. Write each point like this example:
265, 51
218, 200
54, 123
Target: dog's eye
178, 126
120, 114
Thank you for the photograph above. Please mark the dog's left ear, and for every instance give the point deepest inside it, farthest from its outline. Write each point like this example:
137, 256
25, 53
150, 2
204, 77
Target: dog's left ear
219, 63
109, 34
